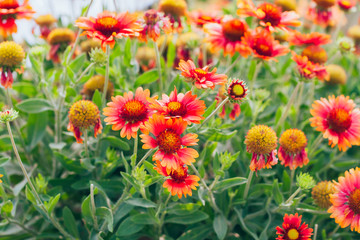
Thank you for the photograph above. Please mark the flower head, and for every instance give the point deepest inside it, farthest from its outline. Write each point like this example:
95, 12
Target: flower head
337, 74
107, 26
305, 181
338, 120
82, 115
8, 115
45, 23
346, 5
201, 77
293, 229
237, 90
174, 9
354, 33
153, 22
345, 44
292, 152
98, 56
235, 107
325, 3
146, 57
186, 106
286, 5
173, 148
96, 82
11, 57
179, 182
308, 69
201, 18
314, 38
345, 200
321, 16
90, 44
315, 54
321, 193
127, 113
261, 142
59, 39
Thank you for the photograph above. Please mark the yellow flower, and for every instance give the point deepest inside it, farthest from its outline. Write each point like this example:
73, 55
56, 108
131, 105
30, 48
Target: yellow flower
321, 193
97, 83
61, 35
11, 54
45, 20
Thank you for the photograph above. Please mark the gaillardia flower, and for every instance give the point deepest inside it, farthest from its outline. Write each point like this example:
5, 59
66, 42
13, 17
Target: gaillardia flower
11, 57
315, 54
338, 120
293, 229
96, 82
269, 15
200, 18
107, 26
292, 152
337, 74
174, 9
45, 23
10, 10
186, 106
314, 38
127, 113
237, 90
308, 69
201, 77
261, 142
321, 193
153, 22
228, 36
346, 200
346, 5
59, 39
146, 57
179, 182
173, 148
82, 115
233, 106
89, 44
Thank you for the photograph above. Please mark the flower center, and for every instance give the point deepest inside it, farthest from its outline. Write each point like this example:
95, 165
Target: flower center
133, 111
199, 73
262, 48
176, 109
272, 14
234, 29
238, 90
293, 234
354, 201
293, 141
84, 114
9, 4
107, 25
179, 175
261, 140
169, 141
339, 120
315, 54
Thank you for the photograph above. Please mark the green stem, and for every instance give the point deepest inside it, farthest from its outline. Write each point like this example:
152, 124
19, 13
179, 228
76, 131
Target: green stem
103, 97
292, 175
158, 64
136, 143
163, 213
204, 54
256, 73
315, 231
84, 72
13, 221
315, 145
299, 100
86, 147
293, 196
232, 65
247, 187
145, 157
93, 207
311, 211
328, 165
213, 112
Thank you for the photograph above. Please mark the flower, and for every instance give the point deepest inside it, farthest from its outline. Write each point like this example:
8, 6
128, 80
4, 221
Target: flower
11, 57
270, 15
293, 229
45, 23
59, 39
314, 38
346, 5
201, 77
89, 44
180, 182
345, 201
107, 26
321, 16
98, 56
308, 69
325, 3
96, 82
237, 90
315, 54
292, 152
345, 44
173, 148
1, 175
186, 44
8, 115
338, 120
10, 10
235, 107
337, 74
321, 193
263, 45
82, 115
354, 33
153, 22
286, 5
228, 36
261, 142
186, 106
146, 57
127, 113
174, 9
201, 18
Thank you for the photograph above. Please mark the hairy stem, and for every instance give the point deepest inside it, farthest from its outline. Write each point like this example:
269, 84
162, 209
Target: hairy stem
106, 84
213, 112
248, 183
158, 64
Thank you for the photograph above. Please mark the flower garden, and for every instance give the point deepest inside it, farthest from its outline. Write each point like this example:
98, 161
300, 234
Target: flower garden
189, 120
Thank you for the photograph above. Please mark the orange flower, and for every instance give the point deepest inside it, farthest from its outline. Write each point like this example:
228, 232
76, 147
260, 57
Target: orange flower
153, 22
174, 9
338, 120
129, 112
173, 148
228, 36
186, 106
237, 90
10, 10
308, 69
11, 58
264, 45
270, 15
108, 26
59, 39
201, 18
235, 107
293, 229
180, 182
201, 77
314, 38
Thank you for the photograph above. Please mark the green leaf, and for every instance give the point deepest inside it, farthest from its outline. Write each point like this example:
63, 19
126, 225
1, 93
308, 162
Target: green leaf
183, 208
52, 203
70, 73
252, 70
128, 227
286, 182
219, 135
29, 195
130, 179
197, 233
69, 164
210, 109
147, 78
230, 182
97, 98
35, 64
69, 222
140, 202
34, 105
25, 88
86, 210
117, 143
278, 197
220, 226
36, 128
7, 207
144, 218
170, 56
127, 53
4, 160
78, 63
194, 217
106, 214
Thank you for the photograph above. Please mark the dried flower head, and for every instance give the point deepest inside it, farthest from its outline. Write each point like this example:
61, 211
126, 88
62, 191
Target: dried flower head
11, 58
321, 193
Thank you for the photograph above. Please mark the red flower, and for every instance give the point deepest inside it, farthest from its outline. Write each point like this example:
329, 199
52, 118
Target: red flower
346, 5
108, 26
235, 107
293, 229
308, 69
200, 18
314, 38
153, 22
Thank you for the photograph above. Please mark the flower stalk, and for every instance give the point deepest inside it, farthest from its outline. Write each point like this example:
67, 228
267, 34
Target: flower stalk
247, 187
158, 64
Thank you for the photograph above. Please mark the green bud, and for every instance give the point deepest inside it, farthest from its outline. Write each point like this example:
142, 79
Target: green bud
305, 181
8, 115
345, 44
98, 56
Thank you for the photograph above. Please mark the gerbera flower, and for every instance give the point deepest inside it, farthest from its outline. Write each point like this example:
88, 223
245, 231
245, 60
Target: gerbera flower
10, 10
11, 58
338, 120
153, 22
127, 113
173, 148
96, 82
201, 77
82, 115
264, 46
107, 26
346, 200
293, 229
201, 18
180, 182
292, 152
59, 39
45, 23
308, 69
174, 9
314, 38
234, 107
270, 15
261, 142
228, 36
321, 193
146, 57
186, 106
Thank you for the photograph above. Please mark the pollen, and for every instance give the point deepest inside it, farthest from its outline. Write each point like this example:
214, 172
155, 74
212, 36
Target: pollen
339, 120
315, 54
321, 193
11, 54
61, 35
176, 108
234, 29
45, 20
354, 201
293, 141
237, 90
261, 139
107, 22
169, 141
173, 7
134, 111
84, 114
293, 234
